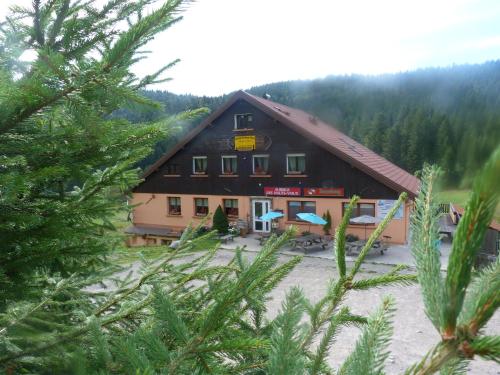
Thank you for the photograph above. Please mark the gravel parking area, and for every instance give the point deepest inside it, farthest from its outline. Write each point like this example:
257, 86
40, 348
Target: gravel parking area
413, 333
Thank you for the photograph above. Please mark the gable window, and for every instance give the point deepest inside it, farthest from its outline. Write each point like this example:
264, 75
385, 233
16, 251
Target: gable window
229, 164
296, 207
201, 206
260, 164
295, 163
360, 209
230, 207
172, 169
174, 205
200, 164
243, 120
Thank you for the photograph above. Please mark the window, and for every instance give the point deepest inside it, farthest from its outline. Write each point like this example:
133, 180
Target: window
295, 163
174, 205
360, 209
260, 164
201, 206
229, 164
199, 164
243, 121
295, 207
230, 207
172, 169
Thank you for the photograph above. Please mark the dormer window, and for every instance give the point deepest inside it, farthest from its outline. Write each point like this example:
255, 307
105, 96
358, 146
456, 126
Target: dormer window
200, 165
243, 121
295, 163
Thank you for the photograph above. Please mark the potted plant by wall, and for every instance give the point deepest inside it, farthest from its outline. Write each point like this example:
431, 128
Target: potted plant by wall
328, 226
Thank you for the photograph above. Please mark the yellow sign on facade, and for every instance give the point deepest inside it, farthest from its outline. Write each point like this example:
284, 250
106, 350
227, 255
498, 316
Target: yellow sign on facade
244, 142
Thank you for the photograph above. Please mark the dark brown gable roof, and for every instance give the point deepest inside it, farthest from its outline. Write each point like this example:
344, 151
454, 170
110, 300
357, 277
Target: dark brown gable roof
322, 134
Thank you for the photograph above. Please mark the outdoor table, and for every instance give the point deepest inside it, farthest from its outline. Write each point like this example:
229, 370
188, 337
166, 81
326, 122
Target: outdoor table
306, 241
354, 248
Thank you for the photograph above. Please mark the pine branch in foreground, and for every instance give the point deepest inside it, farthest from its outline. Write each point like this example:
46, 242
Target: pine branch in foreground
467, 303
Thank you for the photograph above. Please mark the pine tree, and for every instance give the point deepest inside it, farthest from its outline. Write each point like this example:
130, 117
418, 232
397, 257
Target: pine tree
220, 222
328, 225
66, 163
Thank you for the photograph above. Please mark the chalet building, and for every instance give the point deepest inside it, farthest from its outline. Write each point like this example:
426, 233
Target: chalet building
253, 155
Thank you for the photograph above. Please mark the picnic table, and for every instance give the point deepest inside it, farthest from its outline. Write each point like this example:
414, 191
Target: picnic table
354, 248
308, 241
265, 236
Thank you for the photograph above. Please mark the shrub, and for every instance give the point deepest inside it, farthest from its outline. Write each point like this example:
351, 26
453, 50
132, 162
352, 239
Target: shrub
220, 222
328, 226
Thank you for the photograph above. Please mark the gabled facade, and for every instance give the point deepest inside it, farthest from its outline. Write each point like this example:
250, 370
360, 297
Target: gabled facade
254, 155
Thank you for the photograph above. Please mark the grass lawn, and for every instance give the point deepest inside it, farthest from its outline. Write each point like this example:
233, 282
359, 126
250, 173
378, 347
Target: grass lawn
460, 197
126, 255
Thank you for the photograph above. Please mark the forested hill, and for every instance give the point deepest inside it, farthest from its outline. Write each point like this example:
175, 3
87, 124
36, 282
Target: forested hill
449, 116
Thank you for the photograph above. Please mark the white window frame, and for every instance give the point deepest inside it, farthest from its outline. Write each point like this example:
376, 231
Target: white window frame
259, 156
228, 157
199, 157
299, 154
241, 114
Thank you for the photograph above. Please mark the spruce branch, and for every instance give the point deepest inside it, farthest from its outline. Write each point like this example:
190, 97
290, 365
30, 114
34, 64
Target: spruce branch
371, 352
286, 356
468, 238
482, 299
327, 340
384, 280
487, 347
376, 234
340, 236
424, 240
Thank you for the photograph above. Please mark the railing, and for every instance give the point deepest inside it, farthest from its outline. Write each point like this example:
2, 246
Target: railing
444, 208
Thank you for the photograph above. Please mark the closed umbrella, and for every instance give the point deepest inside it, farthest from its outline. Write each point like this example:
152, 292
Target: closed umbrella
365, 220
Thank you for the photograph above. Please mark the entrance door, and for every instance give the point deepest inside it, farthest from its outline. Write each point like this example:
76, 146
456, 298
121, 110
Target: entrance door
259, 208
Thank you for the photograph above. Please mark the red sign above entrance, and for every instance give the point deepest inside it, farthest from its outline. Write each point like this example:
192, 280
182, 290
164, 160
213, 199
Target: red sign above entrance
325, 192
283, 191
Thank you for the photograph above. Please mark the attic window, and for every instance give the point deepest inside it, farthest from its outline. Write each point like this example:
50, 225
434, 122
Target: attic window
172, 169
243, 120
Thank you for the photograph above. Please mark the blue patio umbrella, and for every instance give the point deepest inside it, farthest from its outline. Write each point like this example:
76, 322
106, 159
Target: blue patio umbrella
271, 215
311, 218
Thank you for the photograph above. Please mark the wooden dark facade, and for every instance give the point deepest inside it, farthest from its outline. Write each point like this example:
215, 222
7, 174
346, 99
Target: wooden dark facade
323, 169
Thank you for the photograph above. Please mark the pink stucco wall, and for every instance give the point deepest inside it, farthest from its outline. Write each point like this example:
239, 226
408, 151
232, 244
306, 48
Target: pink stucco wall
152, 210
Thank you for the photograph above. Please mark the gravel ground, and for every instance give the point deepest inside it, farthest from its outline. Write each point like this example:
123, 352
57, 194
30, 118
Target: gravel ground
413, 333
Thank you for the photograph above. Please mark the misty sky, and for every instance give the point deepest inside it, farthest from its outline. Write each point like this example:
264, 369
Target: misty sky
227, 45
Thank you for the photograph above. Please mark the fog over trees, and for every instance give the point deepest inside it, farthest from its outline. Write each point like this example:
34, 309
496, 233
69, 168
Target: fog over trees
449, 116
